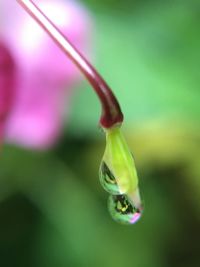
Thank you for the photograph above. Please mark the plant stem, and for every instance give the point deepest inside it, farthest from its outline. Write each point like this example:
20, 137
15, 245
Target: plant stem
111, 111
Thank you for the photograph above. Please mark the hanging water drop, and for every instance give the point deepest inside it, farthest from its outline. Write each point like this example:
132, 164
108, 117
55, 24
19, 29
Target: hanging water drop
107, 179
122, 210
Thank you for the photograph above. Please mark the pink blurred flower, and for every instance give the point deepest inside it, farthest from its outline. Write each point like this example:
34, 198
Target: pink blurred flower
6, 85
44, 75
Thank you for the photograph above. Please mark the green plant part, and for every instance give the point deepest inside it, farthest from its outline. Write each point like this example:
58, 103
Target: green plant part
118, 177
123, 210
118, 174
119, 161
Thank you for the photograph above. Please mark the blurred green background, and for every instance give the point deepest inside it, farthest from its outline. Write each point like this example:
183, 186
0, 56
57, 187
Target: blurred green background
53, 210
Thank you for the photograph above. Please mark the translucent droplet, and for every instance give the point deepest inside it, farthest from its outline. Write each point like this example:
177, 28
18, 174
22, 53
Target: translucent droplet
108, 180
122, 209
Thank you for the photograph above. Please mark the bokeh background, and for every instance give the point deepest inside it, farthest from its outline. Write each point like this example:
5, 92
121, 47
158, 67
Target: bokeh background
53, 211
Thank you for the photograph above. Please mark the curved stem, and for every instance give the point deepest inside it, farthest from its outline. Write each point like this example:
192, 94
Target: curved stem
111, 112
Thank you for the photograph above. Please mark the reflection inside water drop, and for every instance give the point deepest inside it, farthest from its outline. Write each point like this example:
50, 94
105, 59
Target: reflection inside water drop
122, 209
108, 180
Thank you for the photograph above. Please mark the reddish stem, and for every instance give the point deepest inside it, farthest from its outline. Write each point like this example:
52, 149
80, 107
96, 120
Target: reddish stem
111, 111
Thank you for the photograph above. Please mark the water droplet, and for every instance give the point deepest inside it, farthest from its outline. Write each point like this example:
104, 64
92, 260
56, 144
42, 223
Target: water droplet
108, 180
122, 209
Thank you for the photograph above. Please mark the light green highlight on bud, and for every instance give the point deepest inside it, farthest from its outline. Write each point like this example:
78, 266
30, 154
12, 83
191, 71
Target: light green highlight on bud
120, 161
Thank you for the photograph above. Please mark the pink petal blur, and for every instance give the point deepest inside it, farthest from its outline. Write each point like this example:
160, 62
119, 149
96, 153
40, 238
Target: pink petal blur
45, 76
7, 68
